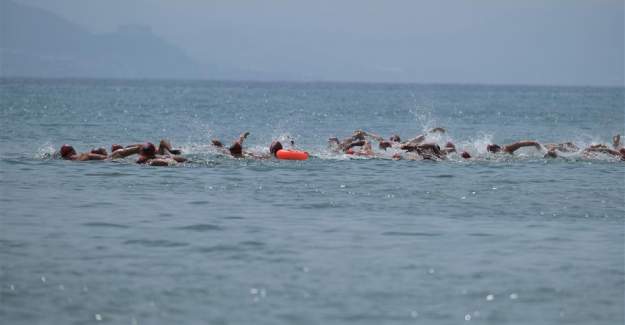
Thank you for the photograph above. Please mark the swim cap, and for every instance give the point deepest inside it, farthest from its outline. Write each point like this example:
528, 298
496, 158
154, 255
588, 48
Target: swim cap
148, 149
274, 147
236, 149
67, 150
493, 148
465, 155
395, 138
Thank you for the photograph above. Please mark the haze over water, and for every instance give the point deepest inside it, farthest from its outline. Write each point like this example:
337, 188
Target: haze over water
331, 240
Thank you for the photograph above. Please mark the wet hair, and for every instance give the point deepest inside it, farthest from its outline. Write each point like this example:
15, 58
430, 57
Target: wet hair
115, 147
148, 149
384, 145
394, 138
494, 148
67, 150
622, 151
217, 143
465, 155
274, 147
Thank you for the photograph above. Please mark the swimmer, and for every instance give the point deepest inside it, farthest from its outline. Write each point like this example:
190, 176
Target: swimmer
356, 140
616, 142
427, 151
164, 148
511, 148
236, 149
274, 147
147, 155
365, 150
69, 153
616, 153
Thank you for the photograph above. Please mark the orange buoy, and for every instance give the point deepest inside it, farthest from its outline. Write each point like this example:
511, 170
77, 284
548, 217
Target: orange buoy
291, 155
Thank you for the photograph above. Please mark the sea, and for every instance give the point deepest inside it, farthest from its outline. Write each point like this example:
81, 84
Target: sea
335, 239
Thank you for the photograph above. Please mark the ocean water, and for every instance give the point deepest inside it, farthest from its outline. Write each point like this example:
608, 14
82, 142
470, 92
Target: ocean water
332, 240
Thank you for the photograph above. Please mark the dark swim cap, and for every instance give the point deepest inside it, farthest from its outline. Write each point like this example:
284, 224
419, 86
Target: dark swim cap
148, 149
395, 138
66, 150
274, 147
493, 148
236, 149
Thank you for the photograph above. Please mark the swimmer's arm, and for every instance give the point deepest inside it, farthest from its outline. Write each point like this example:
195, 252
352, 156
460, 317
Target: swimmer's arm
511, 148
179, 159
123, 153
354, 144
90, 156
243, 136
158, 162
604, 150
416, 140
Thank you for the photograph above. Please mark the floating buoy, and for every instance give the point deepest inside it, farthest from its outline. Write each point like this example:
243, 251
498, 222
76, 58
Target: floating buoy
291, 154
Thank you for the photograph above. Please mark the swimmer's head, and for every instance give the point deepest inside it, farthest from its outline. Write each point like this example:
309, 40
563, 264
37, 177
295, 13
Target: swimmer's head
274, 147
217, 143
99, 151
334, 140
384, 144
358, 135
494, 148
236, 149
465, 155
622, 151
66, 151
148, 150
394, 138
115, 147
551, 154
450, 145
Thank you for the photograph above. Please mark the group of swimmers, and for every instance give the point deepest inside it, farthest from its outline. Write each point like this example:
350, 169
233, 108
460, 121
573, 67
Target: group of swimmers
418, 148
360, 143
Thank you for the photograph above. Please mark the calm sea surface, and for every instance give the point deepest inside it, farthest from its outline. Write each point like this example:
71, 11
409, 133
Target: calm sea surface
332, 240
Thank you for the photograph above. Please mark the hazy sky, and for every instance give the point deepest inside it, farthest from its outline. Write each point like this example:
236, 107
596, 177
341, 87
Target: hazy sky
479, 41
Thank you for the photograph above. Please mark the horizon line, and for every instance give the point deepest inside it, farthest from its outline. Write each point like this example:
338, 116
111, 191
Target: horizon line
320, 81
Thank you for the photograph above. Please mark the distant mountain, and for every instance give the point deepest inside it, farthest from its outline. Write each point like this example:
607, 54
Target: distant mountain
38, 43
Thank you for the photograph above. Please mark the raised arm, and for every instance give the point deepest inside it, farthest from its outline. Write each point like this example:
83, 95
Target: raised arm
511, 148
123, 153
416, 140
243, 136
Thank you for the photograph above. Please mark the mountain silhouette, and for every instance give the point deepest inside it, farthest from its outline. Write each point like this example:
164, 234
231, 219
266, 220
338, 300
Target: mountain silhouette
38, 43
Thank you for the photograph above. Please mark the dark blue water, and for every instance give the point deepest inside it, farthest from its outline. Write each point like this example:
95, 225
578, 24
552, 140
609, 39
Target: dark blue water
332, 240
